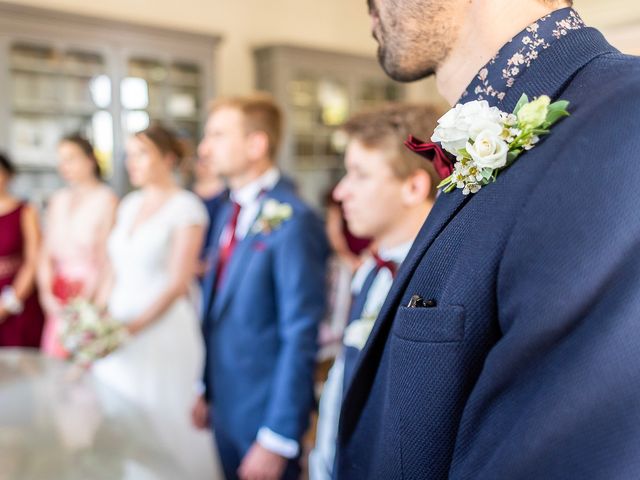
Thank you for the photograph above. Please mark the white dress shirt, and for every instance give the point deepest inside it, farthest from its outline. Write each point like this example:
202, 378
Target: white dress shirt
322, 456
249, 199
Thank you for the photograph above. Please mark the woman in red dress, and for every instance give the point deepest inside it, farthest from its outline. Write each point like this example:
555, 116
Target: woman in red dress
21, 318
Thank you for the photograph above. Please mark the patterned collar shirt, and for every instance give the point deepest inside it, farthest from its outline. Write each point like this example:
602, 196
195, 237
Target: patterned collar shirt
495, 79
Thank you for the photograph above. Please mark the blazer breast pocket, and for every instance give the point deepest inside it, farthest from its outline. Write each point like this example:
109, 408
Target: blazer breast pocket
442, 324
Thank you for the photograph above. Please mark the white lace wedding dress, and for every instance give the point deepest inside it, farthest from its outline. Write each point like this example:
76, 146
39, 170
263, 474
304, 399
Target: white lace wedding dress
159, 368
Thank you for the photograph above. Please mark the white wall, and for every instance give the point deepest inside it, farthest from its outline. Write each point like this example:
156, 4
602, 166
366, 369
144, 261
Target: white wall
619, 20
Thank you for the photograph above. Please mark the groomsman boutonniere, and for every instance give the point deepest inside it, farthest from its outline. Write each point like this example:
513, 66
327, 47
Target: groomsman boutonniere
272, 215
484, 140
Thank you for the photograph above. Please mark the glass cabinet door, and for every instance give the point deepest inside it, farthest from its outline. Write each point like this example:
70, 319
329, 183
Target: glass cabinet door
166, 92
317, 105
55, 93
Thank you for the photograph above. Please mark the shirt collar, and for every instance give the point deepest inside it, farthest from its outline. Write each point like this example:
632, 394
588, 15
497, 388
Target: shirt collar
501, 72
395, 254
249, 193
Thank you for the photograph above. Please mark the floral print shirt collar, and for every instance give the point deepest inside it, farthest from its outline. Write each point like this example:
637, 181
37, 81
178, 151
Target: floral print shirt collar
502, 71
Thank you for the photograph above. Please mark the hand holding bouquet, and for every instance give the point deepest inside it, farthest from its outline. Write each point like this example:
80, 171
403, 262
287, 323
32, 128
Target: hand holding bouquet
88, 334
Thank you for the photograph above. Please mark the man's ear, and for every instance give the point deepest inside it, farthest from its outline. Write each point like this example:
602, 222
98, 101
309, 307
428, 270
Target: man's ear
416, 188
257, 145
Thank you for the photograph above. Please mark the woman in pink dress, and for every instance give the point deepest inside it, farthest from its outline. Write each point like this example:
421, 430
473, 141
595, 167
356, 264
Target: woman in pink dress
79, 219
21, 318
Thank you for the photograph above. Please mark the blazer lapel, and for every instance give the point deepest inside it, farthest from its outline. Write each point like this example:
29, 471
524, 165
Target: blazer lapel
234, 270
557, 66
240, 257
548, 76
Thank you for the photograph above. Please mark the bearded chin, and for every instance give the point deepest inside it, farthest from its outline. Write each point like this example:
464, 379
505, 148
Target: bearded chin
400, 72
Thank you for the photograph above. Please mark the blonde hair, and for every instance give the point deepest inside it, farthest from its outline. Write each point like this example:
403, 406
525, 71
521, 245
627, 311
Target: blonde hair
261, 114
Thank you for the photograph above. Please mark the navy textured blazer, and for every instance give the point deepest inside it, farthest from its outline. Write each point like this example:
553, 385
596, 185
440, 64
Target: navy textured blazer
260, 326
528, 365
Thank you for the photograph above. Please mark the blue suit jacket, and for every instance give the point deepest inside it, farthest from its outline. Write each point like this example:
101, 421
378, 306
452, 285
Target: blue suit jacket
528, 367
260, 327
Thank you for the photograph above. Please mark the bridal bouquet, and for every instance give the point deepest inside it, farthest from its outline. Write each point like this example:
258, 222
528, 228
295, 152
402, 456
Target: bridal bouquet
88, 334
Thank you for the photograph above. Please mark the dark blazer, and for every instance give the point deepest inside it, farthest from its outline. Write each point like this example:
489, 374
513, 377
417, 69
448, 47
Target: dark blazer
528, 365
260, 326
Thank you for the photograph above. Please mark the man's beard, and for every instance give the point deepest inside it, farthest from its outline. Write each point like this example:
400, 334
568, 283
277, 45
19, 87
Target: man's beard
394, 69
407, 53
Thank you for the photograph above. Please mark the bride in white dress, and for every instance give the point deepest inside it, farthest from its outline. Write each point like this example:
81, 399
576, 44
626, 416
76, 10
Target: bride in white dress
153, 251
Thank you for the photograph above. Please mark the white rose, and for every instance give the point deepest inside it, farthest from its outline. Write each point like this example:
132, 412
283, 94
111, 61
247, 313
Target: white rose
479, 109
488, 150
270, 208
450, 132
483, 125
465, 122
479, 116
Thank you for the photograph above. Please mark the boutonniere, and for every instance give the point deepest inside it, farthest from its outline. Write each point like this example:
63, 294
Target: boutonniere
272, 215
485, 140
357, 332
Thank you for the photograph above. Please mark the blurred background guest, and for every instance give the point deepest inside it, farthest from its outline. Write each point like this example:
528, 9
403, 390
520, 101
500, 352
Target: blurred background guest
344, 243
153, 252
78, 220
21, 318
263, 301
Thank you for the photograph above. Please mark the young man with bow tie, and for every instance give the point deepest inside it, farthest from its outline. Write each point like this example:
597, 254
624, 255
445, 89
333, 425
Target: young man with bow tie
263, 298
386, 194
508, 345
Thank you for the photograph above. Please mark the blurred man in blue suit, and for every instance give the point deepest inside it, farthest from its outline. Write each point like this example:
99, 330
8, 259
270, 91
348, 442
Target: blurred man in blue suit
508, 345
263, 299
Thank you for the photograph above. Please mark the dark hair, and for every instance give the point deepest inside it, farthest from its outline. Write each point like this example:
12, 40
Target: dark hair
164, 139
7, 165
86, 147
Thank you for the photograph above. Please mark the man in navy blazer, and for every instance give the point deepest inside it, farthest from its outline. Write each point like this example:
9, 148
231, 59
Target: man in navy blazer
263, 298
508, 347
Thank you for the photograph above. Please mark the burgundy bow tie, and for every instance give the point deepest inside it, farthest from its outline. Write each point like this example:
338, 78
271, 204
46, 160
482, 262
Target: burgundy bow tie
388, 264
432, 152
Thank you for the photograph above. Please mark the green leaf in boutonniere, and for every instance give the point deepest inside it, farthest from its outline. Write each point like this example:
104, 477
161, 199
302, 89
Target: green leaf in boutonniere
485, 140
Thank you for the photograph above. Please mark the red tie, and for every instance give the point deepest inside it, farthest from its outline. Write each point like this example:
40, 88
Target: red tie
388, 264
229, 243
